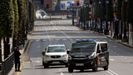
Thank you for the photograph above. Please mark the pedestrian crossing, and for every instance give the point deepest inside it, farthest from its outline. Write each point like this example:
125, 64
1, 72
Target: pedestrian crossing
56, 28
53, 22
60, 37
64, 39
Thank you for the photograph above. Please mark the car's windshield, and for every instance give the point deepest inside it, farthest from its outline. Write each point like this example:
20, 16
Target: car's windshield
83, 47
56, 49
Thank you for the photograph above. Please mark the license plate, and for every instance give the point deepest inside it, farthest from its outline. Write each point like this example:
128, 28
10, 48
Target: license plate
55, 62
79, 64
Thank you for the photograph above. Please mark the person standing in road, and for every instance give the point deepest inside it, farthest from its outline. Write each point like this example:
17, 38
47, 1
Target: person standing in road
17, 59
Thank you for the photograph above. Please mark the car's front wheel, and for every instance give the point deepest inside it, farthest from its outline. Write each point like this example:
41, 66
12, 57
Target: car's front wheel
66, 65
70, 69
95, 67
105, 68
46, 65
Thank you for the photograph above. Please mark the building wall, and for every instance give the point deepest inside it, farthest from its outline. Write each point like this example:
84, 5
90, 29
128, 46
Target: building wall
48, 4
52, 4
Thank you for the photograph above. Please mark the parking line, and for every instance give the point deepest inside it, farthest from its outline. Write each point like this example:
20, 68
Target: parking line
61, 73
112, 72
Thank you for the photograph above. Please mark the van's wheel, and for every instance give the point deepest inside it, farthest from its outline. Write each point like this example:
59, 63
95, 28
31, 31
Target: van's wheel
82, 70
66, 65
70, 69
95, 67
105, 68
46, 65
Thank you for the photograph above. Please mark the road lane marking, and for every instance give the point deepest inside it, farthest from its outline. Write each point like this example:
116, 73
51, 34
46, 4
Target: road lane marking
61, 73
112, 59
37, 40
112, 72
68, 37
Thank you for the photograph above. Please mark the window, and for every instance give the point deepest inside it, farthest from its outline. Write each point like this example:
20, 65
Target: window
98, 49
104, 47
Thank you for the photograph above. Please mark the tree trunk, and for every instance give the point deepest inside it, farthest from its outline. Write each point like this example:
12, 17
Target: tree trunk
120, 30
6, 47
125, 32
106, 31
0, 52
116, 23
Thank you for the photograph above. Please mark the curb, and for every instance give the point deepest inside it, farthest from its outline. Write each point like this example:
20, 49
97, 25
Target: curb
120, 42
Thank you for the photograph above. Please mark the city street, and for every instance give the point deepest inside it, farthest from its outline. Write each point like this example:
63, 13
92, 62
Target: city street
62, 32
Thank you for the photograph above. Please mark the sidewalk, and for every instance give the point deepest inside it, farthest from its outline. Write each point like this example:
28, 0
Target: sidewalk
22, 51
119, 41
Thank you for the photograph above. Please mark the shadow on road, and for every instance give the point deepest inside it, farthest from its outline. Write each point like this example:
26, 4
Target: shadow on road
78, 71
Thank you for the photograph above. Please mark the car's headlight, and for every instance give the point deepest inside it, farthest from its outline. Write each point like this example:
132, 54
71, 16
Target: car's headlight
47, 56
92, 56
64, 56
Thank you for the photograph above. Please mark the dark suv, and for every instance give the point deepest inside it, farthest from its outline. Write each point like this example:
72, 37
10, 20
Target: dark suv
88, 55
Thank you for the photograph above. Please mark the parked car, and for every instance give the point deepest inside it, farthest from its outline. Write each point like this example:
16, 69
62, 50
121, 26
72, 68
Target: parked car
88, 54
55, 55
41, 14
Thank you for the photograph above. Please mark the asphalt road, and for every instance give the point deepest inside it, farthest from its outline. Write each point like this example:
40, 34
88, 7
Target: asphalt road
61, 32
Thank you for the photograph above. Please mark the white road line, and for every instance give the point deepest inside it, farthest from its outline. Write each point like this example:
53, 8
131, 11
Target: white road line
37, 40
64, 39
77, 39
112, 72
47, 33
64, 34
112, 59
61, 73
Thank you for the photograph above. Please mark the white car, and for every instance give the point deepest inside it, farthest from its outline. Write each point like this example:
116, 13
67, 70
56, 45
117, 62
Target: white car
54, 55
41, 14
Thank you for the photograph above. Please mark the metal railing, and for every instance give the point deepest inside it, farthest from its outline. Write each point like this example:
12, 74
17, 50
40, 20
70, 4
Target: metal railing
7, 65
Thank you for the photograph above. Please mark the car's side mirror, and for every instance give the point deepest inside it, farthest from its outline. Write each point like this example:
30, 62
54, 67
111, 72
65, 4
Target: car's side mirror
43, 53
98, 51
68, 52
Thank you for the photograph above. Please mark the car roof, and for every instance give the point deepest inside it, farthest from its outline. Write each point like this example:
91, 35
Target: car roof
56, 45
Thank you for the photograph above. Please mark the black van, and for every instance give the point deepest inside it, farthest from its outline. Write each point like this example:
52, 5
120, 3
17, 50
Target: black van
88, 55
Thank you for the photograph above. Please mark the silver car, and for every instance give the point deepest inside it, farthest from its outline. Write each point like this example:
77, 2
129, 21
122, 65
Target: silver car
54, 55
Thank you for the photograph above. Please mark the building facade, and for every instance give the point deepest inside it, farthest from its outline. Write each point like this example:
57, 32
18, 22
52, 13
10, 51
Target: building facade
60, 4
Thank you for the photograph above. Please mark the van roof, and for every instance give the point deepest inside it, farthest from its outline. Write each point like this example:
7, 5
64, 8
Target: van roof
92, 41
